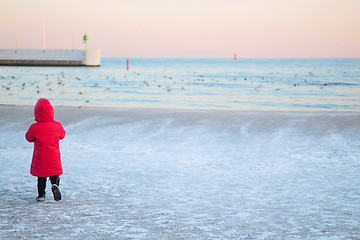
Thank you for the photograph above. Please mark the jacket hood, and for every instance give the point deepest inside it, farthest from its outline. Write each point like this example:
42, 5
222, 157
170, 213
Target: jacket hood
43, 111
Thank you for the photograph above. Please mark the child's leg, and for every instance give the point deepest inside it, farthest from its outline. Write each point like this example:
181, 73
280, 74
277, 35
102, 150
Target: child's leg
41, 188
55, 181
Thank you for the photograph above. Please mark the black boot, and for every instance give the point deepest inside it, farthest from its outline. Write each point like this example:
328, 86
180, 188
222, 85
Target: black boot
55, 181
41, 189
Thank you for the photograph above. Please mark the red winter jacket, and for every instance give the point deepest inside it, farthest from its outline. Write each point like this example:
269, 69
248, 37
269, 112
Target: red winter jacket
45, 134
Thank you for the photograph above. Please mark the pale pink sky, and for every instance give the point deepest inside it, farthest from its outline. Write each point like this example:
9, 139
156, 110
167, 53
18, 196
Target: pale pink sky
187, 28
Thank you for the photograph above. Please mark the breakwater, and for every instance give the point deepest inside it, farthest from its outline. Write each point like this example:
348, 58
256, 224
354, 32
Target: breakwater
51, 57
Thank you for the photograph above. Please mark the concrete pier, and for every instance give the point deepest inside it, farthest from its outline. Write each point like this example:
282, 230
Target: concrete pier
51, 57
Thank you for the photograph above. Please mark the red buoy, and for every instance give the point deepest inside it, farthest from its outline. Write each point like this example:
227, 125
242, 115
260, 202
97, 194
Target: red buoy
235, 57
127, 64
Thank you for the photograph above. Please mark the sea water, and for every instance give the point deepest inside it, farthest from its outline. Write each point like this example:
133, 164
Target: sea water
246, 84
194, 149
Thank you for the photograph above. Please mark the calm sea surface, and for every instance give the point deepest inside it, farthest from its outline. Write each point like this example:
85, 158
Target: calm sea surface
247, 84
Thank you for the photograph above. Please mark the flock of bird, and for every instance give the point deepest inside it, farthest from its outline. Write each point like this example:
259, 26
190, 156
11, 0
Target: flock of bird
167, 84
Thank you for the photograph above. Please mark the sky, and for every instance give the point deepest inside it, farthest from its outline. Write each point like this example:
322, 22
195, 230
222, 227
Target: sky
186, 28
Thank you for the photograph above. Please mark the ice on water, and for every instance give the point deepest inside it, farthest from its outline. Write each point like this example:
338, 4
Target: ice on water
184, 174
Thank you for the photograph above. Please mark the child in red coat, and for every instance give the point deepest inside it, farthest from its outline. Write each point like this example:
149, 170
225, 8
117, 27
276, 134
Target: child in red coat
46, 161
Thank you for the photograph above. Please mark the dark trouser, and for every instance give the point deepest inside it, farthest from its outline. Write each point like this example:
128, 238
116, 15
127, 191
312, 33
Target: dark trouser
42, 183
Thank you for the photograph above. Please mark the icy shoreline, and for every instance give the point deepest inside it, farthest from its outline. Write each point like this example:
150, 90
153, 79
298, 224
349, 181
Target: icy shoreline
186, 174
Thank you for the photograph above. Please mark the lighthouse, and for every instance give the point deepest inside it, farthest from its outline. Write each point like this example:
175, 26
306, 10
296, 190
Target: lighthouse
85, 39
